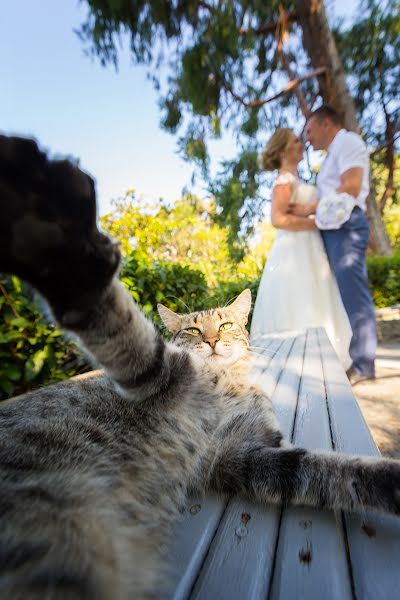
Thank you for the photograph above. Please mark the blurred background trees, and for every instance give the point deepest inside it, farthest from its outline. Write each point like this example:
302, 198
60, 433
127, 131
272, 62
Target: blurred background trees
250, 66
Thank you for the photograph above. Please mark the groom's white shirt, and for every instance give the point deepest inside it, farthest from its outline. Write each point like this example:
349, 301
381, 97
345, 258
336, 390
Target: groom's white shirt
346, 151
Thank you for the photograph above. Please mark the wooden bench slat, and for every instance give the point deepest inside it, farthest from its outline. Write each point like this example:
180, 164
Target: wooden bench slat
284, 398
311, 558
240, 559
190, 541
374, 540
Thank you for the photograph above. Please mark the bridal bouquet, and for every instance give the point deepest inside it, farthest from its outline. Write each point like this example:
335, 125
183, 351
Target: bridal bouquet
333, 210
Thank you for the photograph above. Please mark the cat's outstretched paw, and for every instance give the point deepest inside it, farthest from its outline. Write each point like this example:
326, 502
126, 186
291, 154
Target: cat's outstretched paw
48, 231
390, 486
378, 486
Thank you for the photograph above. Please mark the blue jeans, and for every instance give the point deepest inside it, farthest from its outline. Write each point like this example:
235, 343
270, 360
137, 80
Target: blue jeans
346, 248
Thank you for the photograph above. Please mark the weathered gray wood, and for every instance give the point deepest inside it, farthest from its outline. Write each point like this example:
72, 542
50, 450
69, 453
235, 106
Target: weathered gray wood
311, 558
284, 398
268, 376
240, 559
374, 540
265, 351
239, 562
190, 541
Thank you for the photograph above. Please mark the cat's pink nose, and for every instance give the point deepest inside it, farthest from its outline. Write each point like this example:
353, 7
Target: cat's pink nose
212, 341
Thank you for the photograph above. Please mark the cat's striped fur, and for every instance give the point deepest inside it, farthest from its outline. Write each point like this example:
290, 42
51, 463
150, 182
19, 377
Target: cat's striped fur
94, 470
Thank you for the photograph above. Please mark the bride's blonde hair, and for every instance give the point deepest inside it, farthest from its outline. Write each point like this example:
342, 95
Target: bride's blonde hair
271, 156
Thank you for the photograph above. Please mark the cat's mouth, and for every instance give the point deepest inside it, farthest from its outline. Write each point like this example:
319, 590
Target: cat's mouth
229, 356
215, 354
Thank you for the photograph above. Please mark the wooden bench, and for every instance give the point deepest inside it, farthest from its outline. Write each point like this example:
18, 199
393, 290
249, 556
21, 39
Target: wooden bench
236, 550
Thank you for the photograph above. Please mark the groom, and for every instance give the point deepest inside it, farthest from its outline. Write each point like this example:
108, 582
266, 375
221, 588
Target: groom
346, 170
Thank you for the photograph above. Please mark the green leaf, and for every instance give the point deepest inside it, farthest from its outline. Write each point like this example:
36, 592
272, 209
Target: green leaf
35, 364
19, 322
17, 284
7, 386
10, 371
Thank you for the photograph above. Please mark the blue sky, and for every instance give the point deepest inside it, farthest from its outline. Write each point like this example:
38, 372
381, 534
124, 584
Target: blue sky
110, 120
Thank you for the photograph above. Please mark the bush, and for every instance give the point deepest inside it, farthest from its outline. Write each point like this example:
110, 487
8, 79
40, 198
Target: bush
179, 287
384, 279
32, 351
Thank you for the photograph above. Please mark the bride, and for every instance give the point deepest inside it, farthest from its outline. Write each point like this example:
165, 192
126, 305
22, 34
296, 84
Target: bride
297, 289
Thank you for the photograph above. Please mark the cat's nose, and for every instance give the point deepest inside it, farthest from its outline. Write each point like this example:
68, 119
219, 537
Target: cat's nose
212, 341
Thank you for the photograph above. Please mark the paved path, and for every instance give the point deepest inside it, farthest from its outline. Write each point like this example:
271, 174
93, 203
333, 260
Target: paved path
380, 400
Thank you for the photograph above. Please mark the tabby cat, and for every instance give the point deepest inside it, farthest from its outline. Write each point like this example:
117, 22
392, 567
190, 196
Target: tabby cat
94, 470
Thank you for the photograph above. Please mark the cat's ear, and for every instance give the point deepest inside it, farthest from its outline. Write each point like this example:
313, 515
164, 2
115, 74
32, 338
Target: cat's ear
241, 306
171, 320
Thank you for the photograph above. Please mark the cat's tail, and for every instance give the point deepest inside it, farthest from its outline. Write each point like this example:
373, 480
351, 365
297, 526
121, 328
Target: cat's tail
324, 480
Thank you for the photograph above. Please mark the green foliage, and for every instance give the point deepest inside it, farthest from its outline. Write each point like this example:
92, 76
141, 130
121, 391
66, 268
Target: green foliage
213, 56
380, 175
195, 83
236, 192
391, 218
384, 279
177, 286
32, 351
369, 50
184, 233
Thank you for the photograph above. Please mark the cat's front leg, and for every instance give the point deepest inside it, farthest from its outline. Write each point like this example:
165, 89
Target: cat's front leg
49, 237
323, 480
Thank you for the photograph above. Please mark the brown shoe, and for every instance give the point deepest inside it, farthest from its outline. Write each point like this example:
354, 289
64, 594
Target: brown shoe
356, 377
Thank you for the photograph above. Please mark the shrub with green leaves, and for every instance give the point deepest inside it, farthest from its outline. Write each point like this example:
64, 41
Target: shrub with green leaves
384, 279
33, 352
178, 287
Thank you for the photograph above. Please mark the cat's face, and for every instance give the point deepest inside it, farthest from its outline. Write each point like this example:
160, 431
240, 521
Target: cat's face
218, 335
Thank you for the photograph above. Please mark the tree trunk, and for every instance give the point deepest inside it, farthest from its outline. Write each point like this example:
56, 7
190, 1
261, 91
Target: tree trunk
319, 43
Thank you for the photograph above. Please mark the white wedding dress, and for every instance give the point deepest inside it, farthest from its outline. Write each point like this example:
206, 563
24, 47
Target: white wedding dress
298, 289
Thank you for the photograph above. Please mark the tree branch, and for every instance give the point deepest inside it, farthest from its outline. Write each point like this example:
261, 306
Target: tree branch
9, 301
270, 27
385, 145
206, 5
288, 89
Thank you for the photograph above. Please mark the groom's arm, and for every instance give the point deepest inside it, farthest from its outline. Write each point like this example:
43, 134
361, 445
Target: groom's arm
351, 181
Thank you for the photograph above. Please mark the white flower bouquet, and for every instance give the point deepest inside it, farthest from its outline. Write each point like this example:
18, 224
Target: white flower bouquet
333, 210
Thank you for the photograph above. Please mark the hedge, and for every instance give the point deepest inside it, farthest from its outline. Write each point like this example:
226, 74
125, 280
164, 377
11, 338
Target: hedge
33, 352
384, 279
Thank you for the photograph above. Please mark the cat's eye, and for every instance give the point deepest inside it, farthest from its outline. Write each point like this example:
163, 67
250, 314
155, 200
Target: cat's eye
225, 326
193, 330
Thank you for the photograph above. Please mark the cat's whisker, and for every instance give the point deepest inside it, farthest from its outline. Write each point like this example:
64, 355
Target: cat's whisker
182, 302
230, 300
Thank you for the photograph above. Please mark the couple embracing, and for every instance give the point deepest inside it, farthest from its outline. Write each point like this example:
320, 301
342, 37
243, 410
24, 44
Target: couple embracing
316, 273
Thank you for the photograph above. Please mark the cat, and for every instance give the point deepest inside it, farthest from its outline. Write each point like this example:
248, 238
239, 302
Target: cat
94, 471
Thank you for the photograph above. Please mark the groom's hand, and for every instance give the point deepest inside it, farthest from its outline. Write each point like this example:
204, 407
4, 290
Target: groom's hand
48, 231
